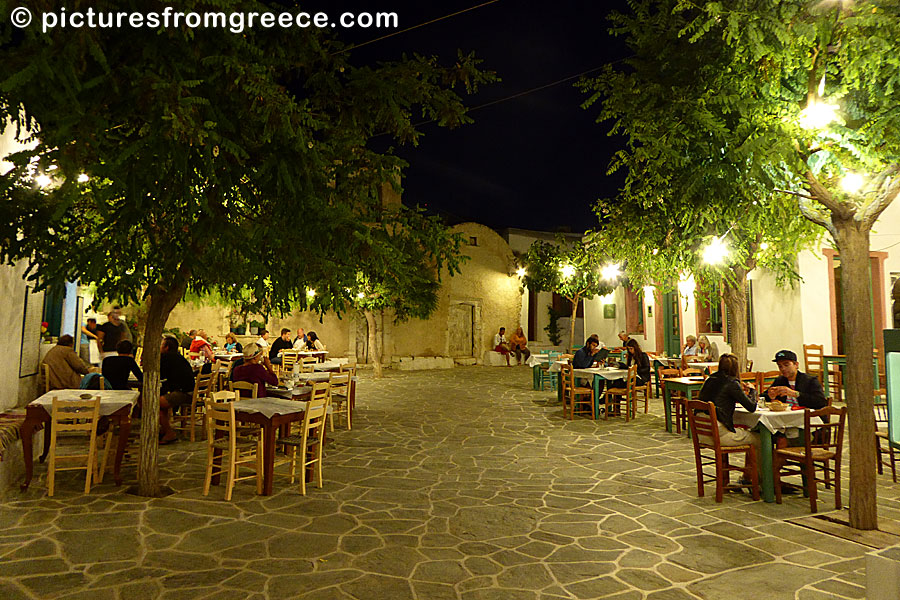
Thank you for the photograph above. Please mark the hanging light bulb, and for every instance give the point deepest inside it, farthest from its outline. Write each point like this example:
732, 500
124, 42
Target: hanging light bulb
716, 252
611, 272
520, 271
852, 182
817, 115
567, 271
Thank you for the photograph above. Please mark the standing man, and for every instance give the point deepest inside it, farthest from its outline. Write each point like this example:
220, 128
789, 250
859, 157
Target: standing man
66, 369
90, 335
112, 334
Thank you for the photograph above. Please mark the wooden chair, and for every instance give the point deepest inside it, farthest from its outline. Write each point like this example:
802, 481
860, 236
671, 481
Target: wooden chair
881, 434
243, 386
814, 359
677, 399
194, 417
613, 396
223, 373
645, 389
236, 451
307, 364
138, 354
311, 435
340, 397
45, 372
348, 368
765, 378
573, 396
822, 446
288, 359
705, 435
79, 417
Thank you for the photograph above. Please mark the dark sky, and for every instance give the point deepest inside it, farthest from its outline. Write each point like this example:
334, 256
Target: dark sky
535, 162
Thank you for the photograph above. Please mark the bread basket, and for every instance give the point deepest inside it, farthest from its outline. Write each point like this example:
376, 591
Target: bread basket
776, 406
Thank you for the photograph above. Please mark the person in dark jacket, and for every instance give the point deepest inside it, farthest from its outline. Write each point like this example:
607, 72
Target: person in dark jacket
117, 368
726, 391
637, 356
586, 356
795, 387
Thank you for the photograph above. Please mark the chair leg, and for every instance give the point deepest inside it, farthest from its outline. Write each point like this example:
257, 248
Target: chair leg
720, 488
105, 458
777, 473
303, 471
698, 460
91, 466
878, 464
259, 466
232, 468
752, 459
209, 467
810, 470
319, 454
838, 503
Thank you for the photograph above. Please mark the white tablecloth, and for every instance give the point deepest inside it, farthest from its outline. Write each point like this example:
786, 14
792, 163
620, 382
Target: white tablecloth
110, 400
609, 374
703, 365
776, 422
537, 359
287, 392
328, 365
270, 406
316, 377
229, 355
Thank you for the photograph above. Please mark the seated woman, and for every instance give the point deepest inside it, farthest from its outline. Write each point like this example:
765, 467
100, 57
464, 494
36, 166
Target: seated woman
689, 351
707, 351
637, 356
231, 343
725, 390
116, 369
201, 346
313, 342
519, 345
501, 344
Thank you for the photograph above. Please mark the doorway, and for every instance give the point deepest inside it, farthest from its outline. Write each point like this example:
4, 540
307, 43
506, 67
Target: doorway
462, 330
671, 324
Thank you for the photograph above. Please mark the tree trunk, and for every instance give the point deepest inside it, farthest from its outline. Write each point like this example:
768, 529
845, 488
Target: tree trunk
735, 294
374, 350
161, 304
574, 302
853, 244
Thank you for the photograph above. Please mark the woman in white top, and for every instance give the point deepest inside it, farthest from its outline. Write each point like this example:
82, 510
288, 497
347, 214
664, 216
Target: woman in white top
263, 341
313, 342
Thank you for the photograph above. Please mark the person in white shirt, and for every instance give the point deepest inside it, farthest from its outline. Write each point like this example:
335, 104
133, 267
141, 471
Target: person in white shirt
501, 344
313, 342
300, 340
263, 341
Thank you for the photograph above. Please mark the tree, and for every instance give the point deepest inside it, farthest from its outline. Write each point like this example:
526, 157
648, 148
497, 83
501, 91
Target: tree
166, 170
780, 71
400, 271
694, 199
572, 270
829, 87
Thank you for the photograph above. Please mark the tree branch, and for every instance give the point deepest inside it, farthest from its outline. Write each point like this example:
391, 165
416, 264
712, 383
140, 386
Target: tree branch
795, 194
874, 210
815, 216
821, 194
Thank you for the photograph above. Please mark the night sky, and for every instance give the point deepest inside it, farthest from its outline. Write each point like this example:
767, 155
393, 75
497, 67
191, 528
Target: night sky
536, 162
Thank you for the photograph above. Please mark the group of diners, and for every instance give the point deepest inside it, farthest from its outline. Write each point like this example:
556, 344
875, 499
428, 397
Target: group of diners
197, 343
516, 344
592, 355
792, 387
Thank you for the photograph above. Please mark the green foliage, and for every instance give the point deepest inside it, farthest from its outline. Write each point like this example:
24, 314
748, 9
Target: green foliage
233, 165
572, 270
698, 167
406, 255
552, 328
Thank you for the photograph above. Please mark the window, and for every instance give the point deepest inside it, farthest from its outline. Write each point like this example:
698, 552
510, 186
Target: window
634, 310
751, 338
473, 241
562, 306
709, 313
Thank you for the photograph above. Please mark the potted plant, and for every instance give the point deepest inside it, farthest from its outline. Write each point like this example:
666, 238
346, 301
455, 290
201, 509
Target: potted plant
255, 326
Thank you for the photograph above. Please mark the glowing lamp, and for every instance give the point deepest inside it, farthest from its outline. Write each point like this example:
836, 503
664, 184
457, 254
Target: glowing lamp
852, 183
43, 181
520, 271
817, 115
611, 272
83, 178
716, 252
567, 271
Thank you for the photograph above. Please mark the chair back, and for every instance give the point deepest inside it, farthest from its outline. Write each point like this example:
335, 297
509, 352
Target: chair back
224, 396
814, 359
765, 379
288, 360
665, 373
630, 380
314, 417
748, 377
828, 436
351, 369
321, 390
138, 354
243, 386
75, 416
193, 355
879, 403
203, 384
691, 372
568, 381
340, 383
704, 424
307, 363
220, 417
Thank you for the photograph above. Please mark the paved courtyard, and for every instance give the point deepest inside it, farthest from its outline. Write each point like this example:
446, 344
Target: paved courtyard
460, 484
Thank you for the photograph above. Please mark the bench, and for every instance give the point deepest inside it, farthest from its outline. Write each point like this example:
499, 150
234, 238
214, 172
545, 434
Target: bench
495, 359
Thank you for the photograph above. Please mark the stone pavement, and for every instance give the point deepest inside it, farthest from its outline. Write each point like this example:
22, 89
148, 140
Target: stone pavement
457, 484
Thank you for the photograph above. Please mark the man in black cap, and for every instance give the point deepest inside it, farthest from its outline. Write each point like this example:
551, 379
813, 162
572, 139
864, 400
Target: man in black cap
797, 389
793, 386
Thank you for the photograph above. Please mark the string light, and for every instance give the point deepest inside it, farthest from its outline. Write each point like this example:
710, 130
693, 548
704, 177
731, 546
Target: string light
611, 272
716, 252
852, 182
520, 271
567, 271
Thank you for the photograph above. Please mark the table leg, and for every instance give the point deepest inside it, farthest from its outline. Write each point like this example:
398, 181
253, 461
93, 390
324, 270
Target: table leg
124, 430
597, 379
667, 405
217, 460
656, 370
27, 433
268, 458
351, 399
825, 378
559, 387
536, 377
47, 426
766, 476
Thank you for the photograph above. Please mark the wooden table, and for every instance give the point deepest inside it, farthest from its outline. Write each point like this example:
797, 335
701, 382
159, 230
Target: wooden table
115, 404
686, 385
768, 422
840, 360
271, 414
597, 374
671, 362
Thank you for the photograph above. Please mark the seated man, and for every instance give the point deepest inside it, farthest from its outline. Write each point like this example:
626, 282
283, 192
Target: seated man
252, 371
501, 344
797, 389
66, 369
300, 340
587, 355
116, 369
280, 345
177, 389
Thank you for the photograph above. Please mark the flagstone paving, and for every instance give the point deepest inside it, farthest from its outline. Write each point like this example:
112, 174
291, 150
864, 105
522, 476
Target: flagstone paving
458, 484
